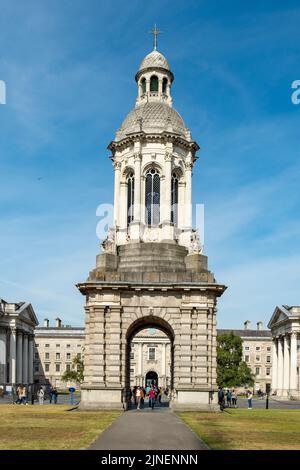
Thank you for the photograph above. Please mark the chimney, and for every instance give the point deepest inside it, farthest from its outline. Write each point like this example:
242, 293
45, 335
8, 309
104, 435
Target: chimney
247, 325
57, 323
259, 325
46, 323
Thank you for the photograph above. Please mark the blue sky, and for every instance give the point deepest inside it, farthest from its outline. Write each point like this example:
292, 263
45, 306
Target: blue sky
69, 70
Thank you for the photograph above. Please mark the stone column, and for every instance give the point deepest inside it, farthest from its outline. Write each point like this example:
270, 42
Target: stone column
188, 195
12, 355
274, 365
113, 344
160, 87
163, 360
19, 357
137, 187
286, 365
148, 86
30, 359
280, 367
140, 364
181, 207
117, 167
123, 211
25, 359
168, 230
293, 364
167, 198
95, 353
2, 356
185, 348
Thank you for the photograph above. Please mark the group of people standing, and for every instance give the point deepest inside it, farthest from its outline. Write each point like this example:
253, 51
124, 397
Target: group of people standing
21, 394
228, 397
153, 392
52, 395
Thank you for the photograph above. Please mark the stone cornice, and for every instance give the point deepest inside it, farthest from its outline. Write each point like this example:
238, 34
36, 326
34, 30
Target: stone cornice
153, 69
163, 137
161, 286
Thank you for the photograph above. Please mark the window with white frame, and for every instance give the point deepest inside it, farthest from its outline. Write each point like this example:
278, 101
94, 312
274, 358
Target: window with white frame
151, 354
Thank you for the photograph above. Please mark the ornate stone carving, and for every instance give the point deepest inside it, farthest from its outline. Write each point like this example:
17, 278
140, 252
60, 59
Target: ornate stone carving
150, 235
195, 245
189, 166
117, 165
137, 156
109, 244
168, 157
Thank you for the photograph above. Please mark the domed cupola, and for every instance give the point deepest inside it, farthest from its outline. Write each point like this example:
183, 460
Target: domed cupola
154, 77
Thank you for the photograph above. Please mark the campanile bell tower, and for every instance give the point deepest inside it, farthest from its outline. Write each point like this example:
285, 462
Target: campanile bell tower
151, 271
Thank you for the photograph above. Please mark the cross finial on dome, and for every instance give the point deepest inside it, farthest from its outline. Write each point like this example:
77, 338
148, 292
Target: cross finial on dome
155, 33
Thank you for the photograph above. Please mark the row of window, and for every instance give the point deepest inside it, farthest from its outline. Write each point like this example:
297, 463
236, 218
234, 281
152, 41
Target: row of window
154, 84
257, 348
57, 356
57, 345
257, 358
58, 367
152, 198
258, 371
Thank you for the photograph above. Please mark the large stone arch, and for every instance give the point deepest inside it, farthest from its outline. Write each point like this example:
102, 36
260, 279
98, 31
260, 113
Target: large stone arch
116, 309
148, 321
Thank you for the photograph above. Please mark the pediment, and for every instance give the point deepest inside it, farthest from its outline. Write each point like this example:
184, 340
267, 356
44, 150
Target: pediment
26, 314
280, 314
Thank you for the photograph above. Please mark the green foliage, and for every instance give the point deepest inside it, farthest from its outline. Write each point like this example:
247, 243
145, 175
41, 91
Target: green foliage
231, 370
77, 374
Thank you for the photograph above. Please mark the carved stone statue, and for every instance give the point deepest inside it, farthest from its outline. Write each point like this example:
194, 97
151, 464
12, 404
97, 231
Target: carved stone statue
109, 244
195, 245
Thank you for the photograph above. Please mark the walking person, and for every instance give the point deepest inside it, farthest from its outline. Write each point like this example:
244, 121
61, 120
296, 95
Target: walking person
134, 394
233, 398
221, 400
54, 395
24, 396
139, 396
41, 395
249, 396
19, 394
229, 398
152, 395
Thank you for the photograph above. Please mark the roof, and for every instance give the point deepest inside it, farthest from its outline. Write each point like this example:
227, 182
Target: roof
284, 313
247, 333
152, 117
155, 59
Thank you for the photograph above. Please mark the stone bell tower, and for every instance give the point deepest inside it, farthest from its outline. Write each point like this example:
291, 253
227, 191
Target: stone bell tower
151, 271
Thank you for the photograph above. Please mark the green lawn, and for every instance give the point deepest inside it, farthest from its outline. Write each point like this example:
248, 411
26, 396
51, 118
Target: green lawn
50, 427
247, 430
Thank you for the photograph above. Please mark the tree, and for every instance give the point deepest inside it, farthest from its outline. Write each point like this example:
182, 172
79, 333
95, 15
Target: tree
77, 372
232, 371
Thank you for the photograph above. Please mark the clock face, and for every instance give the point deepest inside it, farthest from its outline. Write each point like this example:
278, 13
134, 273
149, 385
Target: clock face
151, 331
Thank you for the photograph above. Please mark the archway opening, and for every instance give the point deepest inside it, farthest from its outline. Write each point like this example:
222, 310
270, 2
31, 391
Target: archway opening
149, 359
151, 378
